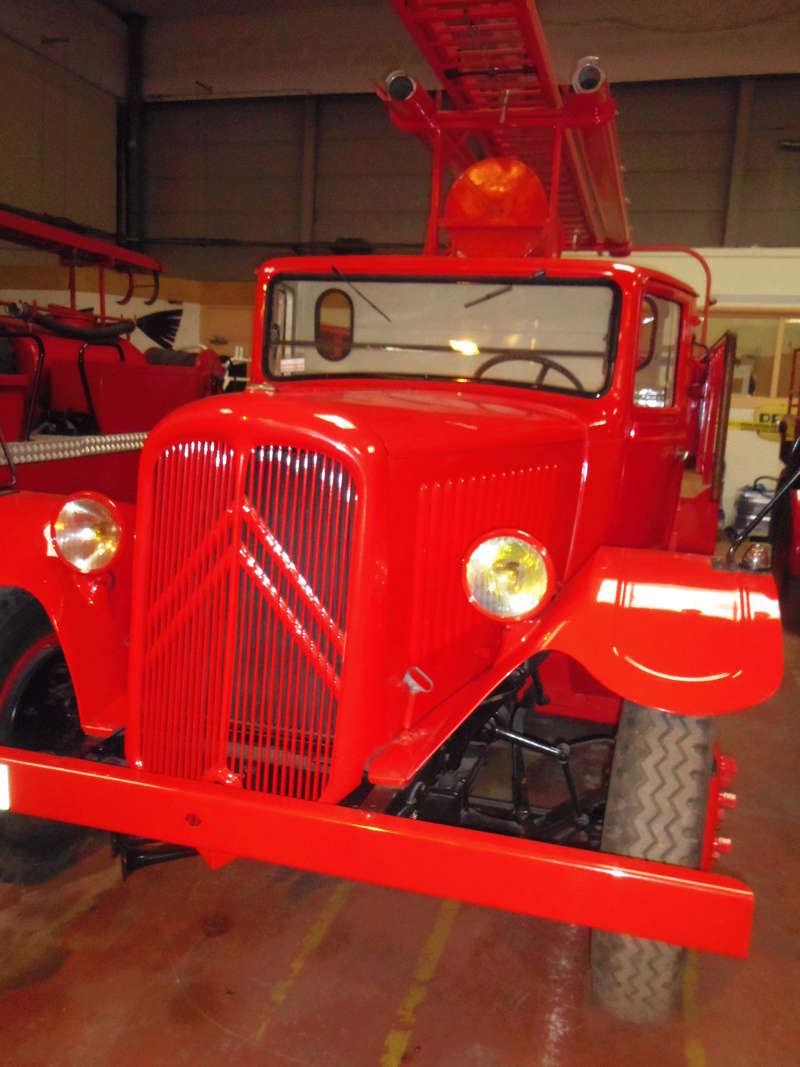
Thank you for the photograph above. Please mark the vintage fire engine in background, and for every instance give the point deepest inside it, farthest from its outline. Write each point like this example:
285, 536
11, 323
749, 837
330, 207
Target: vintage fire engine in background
76, 397
432, 604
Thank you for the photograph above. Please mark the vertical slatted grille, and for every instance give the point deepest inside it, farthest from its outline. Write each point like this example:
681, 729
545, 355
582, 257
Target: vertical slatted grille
448, 513
246, 615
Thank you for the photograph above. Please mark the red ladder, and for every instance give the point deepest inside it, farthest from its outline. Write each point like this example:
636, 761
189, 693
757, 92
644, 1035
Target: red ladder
492, 61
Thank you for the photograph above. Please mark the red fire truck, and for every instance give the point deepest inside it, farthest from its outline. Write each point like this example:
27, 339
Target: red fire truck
76, 397
432, 604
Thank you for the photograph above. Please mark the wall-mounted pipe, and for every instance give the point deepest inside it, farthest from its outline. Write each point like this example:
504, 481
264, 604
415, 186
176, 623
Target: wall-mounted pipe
135, 223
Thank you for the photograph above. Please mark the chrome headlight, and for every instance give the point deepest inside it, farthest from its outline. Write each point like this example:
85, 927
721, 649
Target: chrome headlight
508, 576
87, 533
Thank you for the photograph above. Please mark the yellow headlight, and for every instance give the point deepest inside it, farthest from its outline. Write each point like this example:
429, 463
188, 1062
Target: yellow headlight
507, 576
87, 534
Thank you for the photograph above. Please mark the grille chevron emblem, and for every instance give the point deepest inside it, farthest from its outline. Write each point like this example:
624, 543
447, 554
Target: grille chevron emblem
245, 629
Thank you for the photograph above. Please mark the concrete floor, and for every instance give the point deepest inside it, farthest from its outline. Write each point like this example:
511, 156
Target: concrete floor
260, 965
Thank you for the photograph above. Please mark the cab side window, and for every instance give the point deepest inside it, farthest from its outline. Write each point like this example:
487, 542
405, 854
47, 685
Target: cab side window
657, 353
282, 324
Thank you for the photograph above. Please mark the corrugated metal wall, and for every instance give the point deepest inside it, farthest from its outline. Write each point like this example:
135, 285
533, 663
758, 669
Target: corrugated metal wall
771, 202
59, 140
676, 140
225, 169
371, 180
234, 169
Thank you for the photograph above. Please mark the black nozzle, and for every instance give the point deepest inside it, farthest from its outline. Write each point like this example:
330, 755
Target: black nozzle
399, 85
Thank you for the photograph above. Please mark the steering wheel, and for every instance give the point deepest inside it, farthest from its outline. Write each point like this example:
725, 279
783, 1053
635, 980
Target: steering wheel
531, 357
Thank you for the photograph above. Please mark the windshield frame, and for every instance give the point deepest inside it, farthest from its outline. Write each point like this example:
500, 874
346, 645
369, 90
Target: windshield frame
344, 277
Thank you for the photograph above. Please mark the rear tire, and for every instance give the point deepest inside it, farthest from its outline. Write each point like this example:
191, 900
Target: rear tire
656, 810
38, 712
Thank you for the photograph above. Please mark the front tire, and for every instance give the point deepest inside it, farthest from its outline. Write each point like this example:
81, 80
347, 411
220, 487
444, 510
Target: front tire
38, 712
656, 810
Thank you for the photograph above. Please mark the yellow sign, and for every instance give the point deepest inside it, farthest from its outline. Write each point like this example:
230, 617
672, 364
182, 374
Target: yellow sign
766, 421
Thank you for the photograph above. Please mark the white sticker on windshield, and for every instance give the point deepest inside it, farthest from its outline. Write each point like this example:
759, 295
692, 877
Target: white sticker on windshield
5, 789
296, 365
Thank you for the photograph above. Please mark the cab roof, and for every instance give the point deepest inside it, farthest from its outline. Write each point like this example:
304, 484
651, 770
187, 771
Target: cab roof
421, 266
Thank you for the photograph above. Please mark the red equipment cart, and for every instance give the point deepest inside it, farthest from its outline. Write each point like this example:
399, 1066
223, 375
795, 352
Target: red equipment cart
76, 397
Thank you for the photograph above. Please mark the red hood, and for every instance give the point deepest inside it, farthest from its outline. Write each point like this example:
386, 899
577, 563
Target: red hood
504, 457
412, 417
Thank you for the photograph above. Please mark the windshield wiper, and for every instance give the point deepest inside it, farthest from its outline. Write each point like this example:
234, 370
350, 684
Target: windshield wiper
504, 289
488, 296
366, 299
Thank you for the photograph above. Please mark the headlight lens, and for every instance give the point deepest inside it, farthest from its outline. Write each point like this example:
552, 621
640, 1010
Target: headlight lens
507, 576
87, 534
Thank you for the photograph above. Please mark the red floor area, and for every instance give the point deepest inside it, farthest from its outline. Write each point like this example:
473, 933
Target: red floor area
260, 965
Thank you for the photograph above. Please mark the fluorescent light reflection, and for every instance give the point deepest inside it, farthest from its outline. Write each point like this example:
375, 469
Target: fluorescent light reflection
465, 347
728, 604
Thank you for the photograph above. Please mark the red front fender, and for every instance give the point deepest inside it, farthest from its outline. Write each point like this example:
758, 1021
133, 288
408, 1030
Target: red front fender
89, 614
671, 631
663, 629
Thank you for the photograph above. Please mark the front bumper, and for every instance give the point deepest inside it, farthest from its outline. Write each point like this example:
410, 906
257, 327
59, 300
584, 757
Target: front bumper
674, 904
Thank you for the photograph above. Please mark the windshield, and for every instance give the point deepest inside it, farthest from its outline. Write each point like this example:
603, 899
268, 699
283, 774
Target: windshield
550, 334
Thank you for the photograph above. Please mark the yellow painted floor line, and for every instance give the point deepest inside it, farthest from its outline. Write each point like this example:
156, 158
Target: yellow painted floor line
693, 1049
394, 1046
312, 939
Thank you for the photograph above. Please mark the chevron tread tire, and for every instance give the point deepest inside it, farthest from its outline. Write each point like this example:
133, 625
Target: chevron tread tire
656, 810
